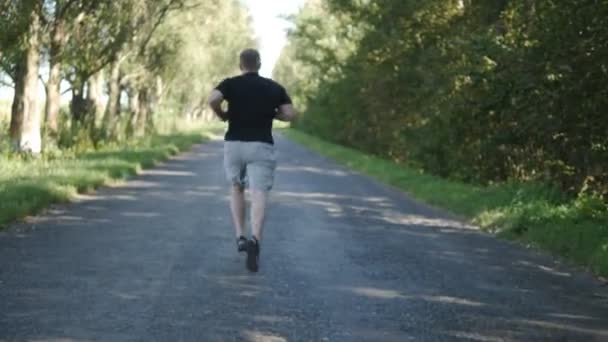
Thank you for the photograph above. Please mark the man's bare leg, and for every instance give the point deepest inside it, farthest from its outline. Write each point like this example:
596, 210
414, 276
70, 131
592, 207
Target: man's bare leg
237, 206
258, 212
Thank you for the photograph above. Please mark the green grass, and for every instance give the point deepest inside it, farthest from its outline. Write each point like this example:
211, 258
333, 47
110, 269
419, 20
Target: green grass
536, 214
5, 110
29, 184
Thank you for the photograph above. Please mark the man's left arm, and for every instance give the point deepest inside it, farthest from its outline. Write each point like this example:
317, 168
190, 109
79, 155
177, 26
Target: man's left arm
215, 102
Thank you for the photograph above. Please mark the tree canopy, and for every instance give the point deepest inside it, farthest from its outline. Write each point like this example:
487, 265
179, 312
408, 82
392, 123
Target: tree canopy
481, 91
126, 63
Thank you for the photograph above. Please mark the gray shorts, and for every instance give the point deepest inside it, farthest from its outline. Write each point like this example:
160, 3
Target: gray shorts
250, 164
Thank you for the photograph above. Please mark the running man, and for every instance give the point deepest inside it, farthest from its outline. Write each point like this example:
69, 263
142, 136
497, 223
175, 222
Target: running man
249, 152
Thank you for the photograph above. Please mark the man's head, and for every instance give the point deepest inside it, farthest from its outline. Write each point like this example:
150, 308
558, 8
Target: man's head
250, 60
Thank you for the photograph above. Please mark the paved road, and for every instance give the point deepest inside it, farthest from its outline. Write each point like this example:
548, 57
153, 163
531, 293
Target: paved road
345, 259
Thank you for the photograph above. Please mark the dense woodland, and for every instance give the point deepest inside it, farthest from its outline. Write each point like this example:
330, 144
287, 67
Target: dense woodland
127, 64
480, 91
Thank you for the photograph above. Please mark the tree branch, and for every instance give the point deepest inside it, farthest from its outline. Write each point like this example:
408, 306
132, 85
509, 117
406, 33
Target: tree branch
104, 62
65, 8
67, 91
163, 13
42, 80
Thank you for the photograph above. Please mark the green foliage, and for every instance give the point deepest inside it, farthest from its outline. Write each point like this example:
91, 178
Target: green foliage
4, 139
141, 57
482, 92
316, 51
208, 39
13, 25
538, 214
5, 111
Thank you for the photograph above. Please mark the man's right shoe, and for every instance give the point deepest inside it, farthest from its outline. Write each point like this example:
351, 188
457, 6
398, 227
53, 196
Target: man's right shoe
253, 254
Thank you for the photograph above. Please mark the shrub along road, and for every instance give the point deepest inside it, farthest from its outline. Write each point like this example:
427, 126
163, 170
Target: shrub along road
345, 259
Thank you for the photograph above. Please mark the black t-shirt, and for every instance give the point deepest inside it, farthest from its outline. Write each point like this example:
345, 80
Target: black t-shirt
252, 106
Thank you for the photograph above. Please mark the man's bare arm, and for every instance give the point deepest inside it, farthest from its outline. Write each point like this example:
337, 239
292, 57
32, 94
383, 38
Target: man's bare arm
286, 113
215, 102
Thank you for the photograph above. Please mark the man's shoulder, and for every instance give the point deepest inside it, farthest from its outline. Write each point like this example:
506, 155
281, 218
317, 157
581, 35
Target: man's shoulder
225, 83
230, 78
243, 79
272, 82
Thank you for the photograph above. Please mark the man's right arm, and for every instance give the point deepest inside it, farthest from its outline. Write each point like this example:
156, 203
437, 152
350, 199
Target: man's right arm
287, 113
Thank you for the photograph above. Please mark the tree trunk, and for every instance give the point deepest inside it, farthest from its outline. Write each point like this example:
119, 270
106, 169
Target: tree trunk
100, 106
78, 104
17, 109
25, 117
143, 102
53, 99
113, 106
94, 96
133, 111
159, 92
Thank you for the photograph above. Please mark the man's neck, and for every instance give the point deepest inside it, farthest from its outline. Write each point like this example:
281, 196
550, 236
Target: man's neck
246, 72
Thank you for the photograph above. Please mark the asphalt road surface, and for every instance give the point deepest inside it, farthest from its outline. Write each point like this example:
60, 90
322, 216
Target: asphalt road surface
345, 259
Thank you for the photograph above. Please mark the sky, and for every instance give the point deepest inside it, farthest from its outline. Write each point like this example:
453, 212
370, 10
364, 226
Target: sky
270, 28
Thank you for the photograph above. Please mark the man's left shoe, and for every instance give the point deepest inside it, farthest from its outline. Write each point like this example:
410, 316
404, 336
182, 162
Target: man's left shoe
241, 244
253, 254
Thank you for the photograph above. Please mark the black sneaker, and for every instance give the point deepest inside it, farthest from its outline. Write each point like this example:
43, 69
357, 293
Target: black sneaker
241, 244
253, 254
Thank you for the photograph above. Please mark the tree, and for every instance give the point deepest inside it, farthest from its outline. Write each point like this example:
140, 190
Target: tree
483, 91
25, 116
146, 49
207, 52
63, 18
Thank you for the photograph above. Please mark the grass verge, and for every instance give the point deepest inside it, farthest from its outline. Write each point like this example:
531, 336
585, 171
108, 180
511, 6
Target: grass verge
536, 214
28, 185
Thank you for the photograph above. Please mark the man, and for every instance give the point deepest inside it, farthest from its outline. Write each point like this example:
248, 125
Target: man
249, 153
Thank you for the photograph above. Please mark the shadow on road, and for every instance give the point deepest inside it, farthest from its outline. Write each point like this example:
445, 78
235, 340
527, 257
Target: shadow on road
345, 259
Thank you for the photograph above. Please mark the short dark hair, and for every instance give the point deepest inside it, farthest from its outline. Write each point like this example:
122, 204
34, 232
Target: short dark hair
250, 59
